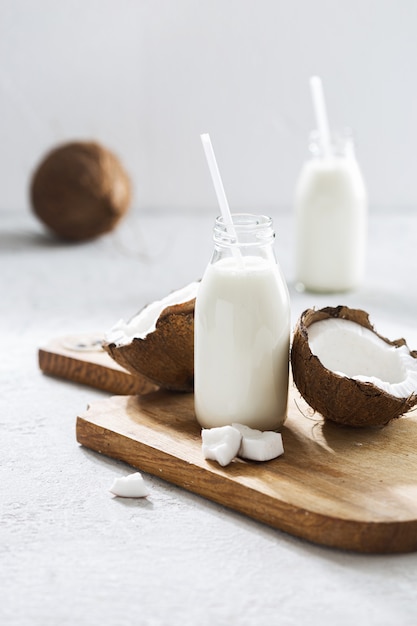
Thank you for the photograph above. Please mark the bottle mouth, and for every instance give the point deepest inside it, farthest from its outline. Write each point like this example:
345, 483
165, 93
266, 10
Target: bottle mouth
341, 141
248, 229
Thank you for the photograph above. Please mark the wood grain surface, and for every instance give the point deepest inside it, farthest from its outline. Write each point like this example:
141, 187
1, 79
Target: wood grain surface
354, 489
80, 358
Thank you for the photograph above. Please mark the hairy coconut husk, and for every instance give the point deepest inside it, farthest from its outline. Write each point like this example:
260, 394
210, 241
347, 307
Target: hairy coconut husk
338, 398
80, 190
166, 355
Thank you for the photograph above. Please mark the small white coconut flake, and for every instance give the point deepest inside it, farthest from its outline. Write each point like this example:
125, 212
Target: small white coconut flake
221, 444
257, 445
131, 486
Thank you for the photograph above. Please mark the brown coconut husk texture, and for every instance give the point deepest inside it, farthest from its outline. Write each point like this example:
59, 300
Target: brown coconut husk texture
166, 355
337, 398
80, 190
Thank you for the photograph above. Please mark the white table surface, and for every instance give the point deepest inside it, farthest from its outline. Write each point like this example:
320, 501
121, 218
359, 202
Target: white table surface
72, 554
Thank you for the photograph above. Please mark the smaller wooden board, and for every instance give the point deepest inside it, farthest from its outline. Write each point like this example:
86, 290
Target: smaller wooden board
349, 488
81, 359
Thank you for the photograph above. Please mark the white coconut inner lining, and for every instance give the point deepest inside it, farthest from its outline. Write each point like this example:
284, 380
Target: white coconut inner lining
144, 322
350, 350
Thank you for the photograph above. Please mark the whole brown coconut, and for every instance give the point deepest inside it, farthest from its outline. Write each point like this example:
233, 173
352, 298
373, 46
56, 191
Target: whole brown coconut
164, 356
338, 398
80, 190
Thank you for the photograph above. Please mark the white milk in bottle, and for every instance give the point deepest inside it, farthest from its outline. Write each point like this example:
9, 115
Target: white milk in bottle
242, 330
331, 216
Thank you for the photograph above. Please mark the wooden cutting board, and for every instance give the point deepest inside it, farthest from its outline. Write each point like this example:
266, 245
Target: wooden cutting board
81, 359
348, 488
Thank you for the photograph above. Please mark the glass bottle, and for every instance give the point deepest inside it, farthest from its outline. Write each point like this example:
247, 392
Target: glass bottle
242, 330
331, 219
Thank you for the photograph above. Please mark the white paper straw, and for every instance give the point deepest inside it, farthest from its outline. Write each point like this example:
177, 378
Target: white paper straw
319, 104
221, 195
218, 184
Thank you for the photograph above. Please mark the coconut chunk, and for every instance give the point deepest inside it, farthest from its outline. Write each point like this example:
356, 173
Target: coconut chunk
221, 444
257, 445
131, 486
224, 443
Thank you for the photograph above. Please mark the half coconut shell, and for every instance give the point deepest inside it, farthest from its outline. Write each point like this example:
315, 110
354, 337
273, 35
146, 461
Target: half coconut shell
339, 398
166, 355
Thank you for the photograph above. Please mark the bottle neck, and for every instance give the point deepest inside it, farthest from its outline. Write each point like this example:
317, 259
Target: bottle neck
251, 235
342, 145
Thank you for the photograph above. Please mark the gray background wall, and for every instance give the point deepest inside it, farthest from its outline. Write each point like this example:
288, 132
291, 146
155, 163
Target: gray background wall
146, 77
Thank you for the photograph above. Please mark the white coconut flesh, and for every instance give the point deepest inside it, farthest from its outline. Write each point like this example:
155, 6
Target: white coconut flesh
123, 333
350, 350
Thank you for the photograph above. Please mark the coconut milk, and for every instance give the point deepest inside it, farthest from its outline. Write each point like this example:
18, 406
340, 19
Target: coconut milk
331, 212
242, 329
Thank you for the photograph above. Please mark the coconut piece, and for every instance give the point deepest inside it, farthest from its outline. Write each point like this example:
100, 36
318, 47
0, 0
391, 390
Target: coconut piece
80, 190
158, 342
224, 443
221, 444
131, 486
348, 372
259, 445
